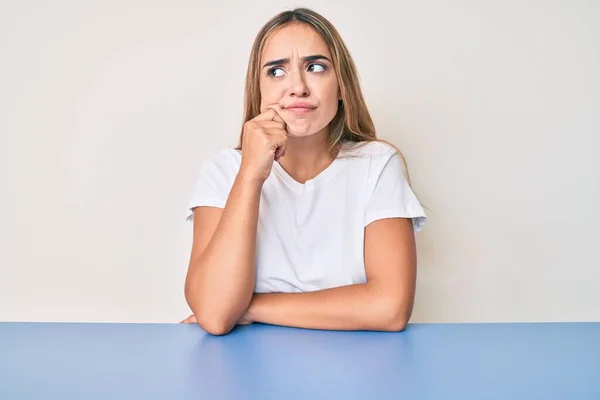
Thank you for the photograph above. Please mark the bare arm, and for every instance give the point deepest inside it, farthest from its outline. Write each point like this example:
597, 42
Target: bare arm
220, 279
384, 303
221, 274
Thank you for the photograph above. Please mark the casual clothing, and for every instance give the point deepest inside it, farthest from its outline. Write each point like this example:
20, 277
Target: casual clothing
311, 236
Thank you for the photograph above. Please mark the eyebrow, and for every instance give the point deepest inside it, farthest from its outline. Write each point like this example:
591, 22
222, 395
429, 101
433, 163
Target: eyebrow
282, 61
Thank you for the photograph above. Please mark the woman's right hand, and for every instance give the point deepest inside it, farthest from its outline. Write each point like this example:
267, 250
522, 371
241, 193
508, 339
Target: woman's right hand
264, 140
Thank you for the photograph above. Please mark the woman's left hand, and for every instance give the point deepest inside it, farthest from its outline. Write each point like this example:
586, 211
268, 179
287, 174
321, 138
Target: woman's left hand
189, 320
245, 320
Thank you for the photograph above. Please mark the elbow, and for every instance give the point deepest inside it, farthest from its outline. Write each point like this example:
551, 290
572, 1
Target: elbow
211, 319
397, 324
215, 326
393, 316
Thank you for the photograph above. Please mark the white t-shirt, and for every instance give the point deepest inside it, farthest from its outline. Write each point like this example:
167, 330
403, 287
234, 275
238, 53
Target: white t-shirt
310, 236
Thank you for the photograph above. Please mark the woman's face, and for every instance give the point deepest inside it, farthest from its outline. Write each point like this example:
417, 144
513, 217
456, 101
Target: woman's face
297, 78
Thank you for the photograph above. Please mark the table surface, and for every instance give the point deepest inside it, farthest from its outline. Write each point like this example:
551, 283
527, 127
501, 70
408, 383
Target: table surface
176, 361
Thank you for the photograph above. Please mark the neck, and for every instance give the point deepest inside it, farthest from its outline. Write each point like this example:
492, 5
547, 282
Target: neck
306, 157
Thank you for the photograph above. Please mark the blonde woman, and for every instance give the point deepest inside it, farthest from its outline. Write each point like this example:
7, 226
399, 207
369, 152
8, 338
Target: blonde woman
310, 222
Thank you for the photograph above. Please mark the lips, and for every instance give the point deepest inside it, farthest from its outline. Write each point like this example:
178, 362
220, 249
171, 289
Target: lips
300, 108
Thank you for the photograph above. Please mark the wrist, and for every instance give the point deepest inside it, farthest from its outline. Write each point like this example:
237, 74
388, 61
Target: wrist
253, 312
248, 178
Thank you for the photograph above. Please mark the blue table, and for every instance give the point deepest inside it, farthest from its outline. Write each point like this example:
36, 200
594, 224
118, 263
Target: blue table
173, 361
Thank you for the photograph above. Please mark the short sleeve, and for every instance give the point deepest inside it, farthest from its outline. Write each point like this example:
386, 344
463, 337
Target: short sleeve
214, 181
392, 196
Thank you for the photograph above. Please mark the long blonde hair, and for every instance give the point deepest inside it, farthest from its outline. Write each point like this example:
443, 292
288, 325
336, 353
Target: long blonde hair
352, 122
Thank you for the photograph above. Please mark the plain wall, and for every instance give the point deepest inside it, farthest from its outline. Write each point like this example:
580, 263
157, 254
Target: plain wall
108, 110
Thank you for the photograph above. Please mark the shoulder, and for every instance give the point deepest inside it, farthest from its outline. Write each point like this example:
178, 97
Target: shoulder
370, 150
374, 155
225, 161
225, 156
216, 177
220, 167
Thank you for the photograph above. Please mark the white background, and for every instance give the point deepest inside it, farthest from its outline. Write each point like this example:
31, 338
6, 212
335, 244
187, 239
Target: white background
108, 109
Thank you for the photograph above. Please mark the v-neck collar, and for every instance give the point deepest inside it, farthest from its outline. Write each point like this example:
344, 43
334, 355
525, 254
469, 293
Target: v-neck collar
331, 170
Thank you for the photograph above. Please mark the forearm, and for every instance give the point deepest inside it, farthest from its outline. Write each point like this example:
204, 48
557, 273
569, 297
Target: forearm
221, 279
352, 307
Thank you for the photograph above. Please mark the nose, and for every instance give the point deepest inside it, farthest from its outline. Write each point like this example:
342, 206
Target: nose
297, 84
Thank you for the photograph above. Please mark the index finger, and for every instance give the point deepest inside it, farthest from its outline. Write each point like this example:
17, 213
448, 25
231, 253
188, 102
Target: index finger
277, 109
267, 115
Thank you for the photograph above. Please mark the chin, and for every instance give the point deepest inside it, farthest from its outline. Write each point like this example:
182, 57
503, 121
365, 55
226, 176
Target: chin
302, 130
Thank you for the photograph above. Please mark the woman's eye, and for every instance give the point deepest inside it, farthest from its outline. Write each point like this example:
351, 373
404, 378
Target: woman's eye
276, 72
316, 68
